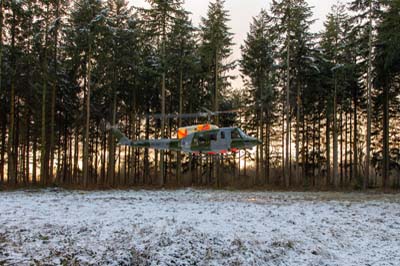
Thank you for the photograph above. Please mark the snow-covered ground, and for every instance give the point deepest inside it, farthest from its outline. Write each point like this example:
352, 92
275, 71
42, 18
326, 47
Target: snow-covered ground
198, 227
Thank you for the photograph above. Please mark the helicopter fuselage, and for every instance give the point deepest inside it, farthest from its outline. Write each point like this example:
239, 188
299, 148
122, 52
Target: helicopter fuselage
218, 140
214, 141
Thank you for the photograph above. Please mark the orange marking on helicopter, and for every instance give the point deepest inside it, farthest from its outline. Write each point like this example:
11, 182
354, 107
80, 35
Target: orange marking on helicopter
206, 127
182, 133
203, 127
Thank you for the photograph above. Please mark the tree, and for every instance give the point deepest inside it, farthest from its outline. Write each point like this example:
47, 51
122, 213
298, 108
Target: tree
116, 55
330, 42
181, 58
14, 20
44, 153
86, 20
258, 55
387, 70
216, 45
58, 11
160, 18
1, 92
342, 80
293, 20
365, 20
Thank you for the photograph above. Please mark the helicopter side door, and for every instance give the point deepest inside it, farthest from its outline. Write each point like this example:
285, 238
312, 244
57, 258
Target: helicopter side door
222, 142
200, 142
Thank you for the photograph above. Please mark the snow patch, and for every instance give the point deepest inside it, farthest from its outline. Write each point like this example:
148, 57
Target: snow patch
198, 227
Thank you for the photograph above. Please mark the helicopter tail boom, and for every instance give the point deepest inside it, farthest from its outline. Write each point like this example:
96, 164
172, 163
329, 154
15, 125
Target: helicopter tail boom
157, 144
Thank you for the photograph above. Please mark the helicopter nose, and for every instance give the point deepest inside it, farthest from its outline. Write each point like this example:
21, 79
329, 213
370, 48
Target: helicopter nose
255, 141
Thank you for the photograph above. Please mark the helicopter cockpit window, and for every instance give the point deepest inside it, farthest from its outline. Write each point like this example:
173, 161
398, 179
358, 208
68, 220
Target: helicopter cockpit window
195, 141
202, 139
213, 136
242, 134
235, 134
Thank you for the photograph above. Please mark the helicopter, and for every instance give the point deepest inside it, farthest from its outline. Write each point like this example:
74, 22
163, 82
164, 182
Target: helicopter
196, 139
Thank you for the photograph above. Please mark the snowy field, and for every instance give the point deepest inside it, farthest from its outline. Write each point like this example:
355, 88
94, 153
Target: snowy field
198, 227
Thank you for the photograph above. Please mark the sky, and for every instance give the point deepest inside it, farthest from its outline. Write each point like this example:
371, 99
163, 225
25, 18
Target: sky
241, 14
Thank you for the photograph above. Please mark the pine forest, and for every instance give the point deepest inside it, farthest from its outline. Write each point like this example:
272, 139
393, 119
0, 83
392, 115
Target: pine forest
326, 104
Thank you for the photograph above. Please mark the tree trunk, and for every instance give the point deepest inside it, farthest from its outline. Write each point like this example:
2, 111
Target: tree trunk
27, 145
44, 164
298, 132
386, 156
103, 176
10, 147
215, 164
369, 102
313, 150
283, 145
12, 179
66, 165
341, 147
3, 139
43, 168
355, 154
34, 162
146, 171
267, 151
87, 124
70, 159
119, 181
351, 149
319, 148
53, 97
96, 158
126, 150
131, 167
328, 150
257, 149
345, 150
179, 154
164, 38
59, 159
261, 137
335, 137
287, 148
76, 158
3, 118
111, 151
18, 161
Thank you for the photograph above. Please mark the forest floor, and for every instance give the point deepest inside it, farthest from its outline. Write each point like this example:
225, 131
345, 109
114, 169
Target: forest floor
198, 227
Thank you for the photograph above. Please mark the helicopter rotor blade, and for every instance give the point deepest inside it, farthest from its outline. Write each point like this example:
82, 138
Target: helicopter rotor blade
190, 115
171, 116
227, 112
